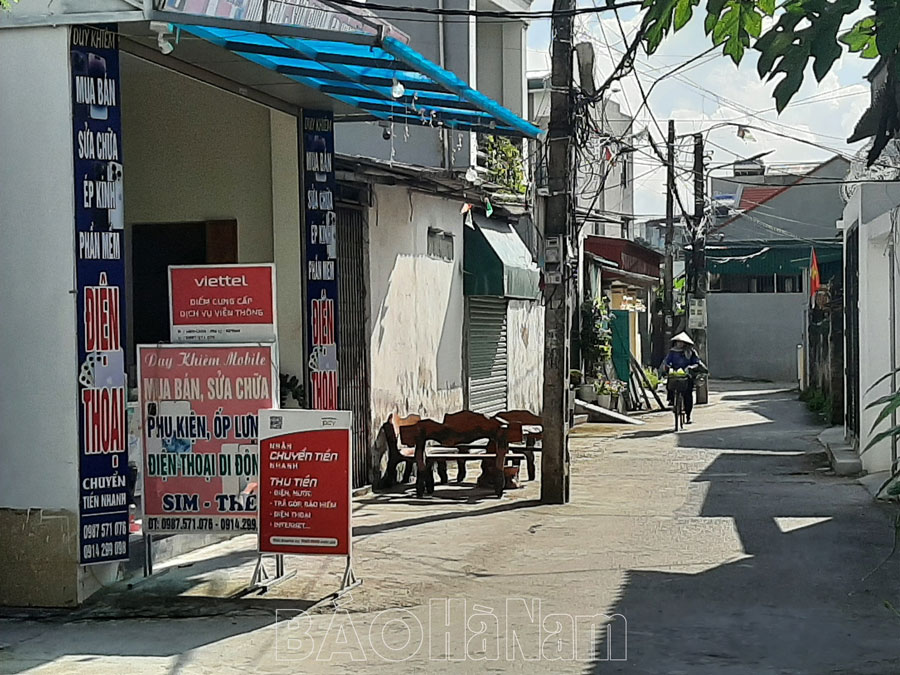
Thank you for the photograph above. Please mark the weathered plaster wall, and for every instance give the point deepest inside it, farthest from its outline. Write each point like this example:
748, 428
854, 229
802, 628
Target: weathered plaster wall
525, 342
417, 306
39, 557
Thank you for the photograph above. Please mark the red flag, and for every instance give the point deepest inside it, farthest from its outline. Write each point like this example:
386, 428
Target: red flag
814, 281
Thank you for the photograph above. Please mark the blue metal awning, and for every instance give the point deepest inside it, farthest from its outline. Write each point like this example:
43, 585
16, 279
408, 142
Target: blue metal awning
391, 82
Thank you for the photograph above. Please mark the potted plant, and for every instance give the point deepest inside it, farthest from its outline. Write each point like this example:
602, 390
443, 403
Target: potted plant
604, 351
583, 390
290, 384
587, 393
604, 394
615, 390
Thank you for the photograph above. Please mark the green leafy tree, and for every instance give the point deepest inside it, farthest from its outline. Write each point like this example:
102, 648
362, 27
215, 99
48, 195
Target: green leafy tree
801, 32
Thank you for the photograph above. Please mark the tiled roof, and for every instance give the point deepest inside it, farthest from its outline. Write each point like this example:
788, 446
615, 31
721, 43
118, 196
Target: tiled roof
751, 197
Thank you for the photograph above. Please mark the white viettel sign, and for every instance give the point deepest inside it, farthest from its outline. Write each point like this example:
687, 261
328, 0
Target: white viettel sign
222, 303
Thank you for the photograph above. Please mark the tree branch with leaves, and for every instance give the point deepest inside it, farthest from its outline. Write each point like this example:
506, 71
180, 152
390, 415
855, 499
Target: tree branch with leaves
800, 32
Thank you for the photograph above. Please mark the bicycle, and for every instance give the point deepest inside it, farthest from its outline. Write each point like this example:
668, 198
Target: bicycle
678, 385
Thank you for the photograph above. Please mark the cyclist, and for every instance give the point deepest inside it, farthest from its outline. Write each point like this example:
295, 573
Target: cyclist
682, 356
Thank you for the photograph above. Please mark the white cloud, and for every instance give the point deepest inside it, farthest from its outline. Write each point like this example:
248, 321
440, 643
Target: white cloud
821, 113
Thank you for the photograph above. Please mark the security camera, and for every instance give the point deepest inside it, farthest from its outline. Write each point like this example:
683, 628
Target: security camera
162, 30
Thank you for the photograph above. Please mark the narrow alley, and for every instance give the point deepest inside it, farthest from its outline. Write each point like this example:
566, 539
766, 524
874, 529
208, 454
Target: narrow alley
727, 548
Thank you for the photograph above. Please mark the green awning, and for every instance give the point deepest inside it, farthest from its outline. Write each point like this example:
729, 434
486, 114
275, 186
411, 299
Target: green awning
762, 259
497, 262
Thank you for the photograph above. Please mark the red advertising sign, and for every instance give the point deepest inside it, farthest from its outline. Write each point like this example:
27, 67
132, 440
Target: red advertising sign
304, 503
222, 303
200, 409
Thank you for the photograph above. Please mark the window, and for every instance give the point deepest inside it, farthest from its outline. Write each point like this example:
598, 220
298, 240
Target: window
760, 283
790, 283
440, 244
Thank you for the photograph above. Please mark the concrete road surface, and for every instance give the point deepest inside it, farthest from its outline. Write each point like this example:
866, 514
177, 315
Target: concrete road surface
727, 548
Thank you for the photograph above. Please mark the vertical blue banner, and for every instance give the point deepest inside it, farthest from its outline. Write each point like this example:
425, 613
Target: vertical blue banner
100, 288
317, 136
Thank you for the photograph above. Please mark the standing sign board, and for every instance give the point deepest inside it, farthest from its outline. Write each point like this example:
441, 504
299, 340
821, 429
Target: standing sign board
321, 258
304, 506
100, 295
222, 303
200, 408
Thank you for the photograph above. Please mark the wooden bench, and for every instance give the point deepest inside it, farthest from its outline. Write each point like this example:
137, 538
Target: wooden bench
531, 427
458, 429
397, 455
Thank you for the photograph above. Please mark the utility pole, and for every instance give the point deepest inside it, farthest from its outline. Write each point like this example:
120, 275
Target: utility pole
698, 255
668, 281
558, 230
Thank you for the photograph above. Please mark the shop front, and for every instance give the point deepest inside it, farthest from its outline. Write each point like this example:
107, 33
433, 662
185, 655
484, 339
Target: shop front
166, 140
627, 276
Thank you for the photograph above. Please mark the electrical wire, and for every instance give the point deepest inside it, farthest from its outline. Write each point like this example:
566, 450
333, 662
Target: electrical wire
449, 11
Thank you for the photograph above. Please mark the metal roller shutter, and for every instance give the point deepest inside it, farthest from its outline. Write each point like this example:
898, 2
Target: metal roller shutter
486, 320
353, 364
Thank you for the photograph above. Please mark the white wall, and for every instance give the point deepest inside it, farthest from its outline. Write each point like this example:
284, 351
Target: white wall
874, 335
869, 209
287, 228
38, 417
525, 344
416, 306
195, 153
39, 363
501, 53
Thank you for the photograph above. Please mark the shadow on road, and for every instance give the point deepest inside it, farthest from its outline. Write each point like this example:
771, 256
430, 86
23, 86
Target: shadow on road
797, 602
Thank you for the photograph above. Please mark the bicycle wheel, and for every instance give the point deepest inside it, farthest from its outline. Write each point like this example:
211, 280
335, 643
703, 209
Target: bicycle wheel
677, 409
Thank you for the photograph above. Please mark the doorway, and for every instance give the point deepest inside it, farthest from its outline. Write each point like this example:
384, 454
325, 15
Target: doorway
156, 246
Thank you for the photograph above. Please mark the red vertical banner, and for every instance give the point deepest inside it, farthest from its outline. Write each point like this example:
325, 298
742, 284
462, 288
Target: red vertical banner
304, 506
815, 282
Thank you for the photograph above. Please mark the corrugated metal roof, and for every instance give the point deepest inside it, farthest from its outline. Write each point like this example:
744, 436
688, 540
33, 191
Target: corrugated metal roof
391, 81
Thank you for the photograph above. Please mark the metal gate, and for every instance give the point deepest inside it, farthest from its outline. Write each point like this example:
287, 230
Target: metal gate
851, 309
487, 354
353, 352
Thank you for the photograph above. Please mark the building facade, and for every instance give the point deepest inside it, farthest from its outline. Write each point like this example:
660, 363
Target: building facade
758, 255
194, 139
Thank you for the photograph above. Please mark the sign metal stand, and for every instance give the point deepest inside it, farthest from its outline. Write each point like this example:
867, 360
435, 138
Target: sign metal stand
262, 580
294, 436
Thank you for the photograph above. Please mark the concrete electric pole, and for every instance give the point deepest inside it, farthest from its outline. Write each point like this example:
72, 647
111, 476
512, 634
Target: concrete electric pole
557, 272
668, 281
697, 305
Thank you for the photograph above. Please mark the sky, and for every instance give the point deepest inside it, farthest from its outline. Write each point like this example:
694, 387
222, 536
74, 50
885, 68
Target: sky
710, 91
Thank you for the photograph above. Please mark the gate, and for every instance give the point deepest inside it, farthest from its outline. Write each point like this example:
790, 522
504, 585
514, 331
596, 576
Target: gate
353, 345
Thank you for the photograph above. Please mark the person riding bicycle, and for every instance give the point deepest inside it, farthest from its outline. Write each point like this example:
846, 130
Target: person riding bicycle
683, 357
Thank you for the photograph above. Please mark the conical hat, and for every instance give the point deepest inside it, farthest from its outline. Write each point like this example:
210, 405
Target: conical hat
683, 337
